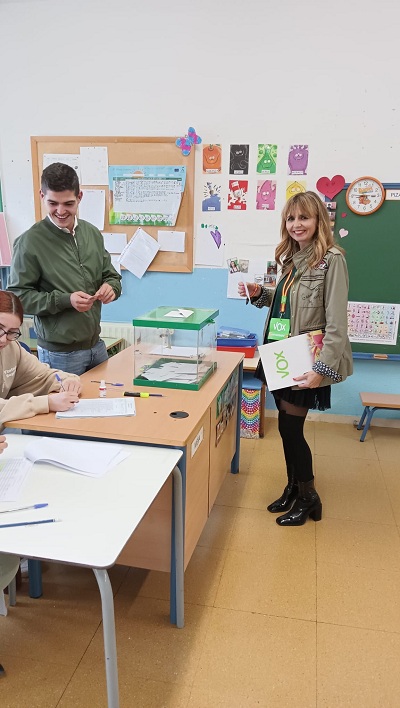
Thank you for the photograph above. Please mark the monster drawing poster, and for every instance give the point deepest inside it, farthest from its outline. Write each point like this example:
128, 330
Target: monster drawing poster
237, 196
298, 160
266, 192
239, 160
212, 155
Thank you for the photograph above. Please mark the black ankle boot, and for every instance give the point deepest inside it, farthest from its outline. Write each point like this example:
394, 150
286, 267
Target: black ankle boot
287, 499
307, 504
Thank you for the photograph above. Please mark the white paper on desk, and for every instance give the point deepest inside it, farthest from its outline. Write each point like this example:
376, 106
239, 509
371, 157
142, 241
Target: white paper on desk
94, 165
171, 241
284, 359
89, 458
139, 252
12, 476
92, 207
100, 408
114, 242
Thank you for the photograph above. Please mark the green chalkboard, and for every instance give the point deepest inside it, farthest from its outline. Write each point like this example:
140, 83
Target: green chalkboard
372, 249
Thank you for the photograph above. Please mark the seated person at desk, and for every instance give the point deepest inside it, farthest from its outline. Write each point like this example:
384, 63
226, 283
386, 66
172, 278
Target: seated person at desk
28, 387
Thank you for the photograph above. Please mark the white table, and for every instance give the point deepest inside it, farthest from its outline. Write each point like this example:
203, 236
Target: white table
98, 515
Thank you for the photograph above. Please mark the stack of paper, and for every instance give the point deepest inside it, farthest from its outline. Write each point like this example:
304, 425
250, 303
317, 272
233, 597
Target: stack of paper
88, 458
100, 408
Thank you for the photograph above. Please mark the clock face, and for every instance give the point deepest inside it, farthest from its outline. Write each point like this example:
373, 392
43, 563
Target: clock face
365, 195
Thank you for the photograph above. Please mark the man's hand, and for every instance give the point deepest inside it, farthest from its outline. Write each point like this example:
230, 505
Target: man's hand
105, 294
62, 401
82, 301
309, 380
72, 386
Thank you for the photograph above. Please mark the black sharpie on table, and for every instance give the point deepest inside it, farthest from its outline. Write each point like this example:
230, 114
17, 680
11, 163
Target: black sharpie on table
141, 394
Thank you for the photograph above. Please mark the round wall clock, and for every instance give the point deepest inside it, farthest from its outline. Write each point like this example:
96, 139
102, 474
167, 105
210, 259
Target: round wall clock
365, 195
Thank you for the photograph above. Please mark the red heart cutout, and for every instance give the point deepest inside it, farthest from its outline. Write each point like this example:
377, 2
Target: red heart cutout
330, 187
344, 215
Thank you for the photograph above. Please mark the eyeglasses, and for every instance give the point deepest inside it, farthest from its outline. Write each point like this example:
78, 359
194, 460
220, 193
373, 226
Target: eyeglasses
11, 334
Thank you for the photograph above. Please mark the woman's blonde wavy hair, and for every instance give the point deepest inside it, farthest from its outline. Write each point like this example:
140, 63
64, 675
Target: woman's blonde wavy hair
310, 205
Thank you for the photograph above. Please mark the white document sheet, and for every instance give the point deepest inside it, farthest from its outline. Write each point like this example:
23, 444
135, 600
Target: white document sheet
139, 253
115, 262
89, 458
92, 207
171, 241
179, 312
12, 476
94, 165
100, 408
114, 242
255, 274
284, 359
73, 161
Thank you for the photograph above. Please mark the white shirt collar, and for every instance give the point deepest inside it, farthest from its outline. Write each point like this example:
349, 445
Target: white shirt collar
66, 231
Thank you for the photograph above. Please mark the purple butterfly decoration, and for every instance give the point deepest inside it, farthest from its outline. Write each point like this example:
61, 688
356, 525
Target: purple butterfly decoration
185, 143
217, 237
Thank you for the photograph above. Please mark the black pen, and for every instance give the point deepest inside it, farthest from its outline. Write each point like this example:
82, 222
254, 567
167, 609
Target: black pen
136, 394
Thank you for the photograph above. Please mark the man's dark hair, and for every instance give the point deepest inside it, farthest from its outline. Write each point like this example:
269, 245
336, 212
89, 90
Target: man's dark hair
60, 178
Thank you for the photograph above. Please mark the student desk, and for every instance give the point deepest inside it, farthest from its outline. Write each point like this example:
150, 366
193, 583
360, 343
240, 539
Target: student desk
97, 517
204, 463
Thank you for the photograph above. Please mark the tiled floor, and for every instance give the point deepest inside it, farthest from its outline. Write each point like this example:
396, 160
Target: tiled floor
300, 617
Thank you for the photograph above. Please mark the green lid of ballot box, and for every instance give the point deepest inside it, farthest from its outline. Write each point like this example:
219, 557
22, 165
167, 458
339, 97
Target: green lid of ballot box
175, 347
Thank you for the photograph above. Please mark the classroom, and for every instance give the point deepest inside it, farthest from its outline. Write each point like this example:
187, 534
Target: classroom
306, 617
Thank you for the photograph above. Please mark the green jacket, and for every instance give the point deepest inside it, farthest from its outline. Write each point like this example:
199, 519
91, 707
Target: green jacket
48, 265
318, 300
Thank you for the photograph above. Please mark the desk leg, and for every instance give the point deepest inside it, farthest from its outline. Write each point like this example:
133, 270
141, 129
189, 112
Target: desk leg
235, 460
179, 549
110, 645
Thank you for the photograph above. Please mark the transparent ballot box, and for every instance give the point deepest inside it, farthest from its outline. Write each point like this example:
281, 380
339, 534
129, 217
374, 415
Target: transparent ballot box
175, 347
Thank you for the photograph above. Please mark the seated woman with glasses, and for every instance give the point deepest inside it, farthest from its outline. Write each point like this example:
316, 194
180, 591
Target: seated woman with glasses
28, 387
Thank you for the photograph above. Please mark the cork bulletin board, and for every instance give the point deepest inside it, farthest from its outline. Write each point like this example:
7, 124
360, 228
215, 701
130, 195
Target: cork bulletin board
129, 151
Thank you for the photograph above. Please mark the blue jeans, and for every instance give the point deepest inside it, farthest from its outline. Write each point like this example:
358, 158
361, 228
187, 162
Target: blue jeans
74, 362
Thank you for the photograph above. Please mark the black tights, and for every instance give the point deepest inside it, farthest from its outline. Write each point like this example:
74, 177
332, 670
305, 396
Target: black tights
291, 428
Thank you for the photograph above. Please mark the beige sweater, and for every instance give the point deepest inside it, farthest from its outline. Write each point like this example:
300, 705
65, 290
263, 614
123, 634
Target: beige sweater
25, 383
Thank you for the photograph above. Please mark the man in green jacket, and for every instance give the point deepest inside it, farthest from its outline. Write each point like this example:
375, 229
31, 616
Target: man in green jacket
62, 273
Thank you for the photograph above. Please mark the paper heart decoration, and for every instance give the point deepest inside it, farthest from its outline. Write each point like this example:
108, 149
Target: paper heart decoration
330, 187
216, 236
343, 215
343, 233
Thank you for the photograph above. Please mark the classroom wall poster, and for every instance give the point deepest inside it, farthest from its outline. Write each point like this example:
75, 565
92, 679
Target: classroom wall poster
212, 159
237, 196
298, 160
373, 322
266, 193
266, 158
145, 194
209, 246
293, 188
239, 160
211, 196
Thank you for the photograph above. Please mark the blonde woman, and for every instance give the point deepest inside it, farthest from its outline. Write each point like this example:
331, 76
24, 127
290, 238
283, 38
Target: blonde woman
311, 295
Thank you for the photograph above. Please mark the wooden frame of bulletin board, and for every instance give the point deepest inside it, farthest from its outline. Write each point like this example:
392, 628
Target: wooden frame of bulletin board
129, 151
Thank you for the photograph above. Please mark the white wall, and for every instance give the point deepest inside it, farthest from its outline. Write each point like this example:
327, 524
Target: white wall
282, 72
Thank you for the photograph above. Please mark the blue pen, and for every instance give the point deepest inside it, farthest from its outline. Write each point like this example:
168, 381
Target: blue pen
59, 381
24, 508
28, 523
